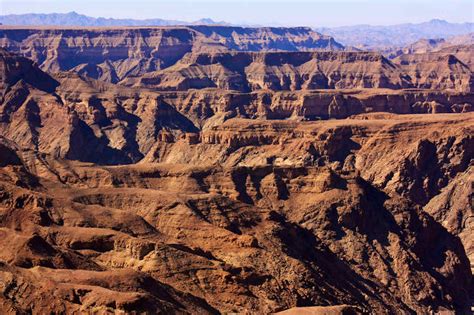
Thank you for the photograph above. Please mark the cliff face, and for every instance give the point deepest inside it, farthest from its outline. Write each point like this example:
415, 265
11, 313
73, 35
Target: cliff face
277, 71
107, 54
112, 54
453, 207
437, 71
269, 38
462, 47
465, 53
203, 105
14, 69
274, 215
128, 199
242, 59
309, 70
104, 123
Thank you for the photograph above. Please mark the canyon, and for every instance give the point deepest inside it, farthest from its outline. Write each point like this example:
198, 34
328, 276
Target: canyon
218, 169
113, 54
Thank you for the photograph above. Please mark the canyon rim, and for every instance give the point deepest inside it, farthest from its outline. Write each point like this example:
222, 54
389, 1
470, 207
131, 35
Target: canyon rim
155, 166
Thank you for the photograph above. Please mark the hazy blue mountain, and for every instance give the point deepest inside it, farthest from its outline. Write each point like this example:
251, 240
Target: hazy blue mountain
76, 19
395, 35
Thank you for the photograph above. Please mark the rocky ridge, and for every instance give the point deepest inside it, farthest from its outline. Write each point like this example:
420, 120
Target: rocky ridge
210, 200
276, 187
104, 123
235, 58
308, 71
112, 54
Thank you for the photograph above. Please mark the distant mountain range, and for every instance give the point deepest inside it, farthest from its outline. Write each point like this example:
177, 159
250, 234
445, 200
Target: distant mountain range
76, 19
358, 36
368, 36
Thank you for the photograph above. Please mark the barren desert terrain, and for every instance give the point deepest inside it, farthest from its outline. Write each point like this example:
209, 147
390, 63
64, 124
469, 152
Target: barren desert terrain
221, 169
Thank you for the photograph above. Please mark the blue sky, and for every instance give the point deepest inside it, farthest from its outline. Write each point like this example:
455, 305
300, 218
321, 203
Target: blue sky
265, 12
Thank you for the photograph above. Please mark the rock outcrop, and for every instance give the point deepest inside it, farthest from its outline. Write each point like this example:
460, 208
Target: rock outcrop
73, 117
278, 71
269, 38
462, 47
117, 199
437, 71
454, 208
308, 71
112, 54
109, 54
18, 70
261, 217
236, 58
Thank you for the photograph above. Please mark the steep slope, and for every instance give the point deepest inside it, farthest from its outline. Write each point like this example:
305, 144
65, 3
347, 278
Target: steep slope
182, 58
283, 220
211, 105
427, 160
269, 38
422, 46
462, 47
436, 44
277, 71
112, 54
83, 119
437, 71
465, 53
17, 70
38, 275
454, 208
109, 54
241, 202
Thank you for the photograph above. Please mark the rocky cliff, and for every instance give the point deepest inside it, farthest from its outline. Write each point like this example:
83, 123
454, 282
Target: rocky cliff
104, 123
462, 47
437, 71
263, 216
269, 38
235, 58
106, 54
278, 71
112, 54
211, 200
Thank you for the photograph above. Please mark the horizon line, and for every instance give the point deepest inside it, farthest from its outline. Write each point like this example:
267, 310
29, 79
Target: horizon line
219, 21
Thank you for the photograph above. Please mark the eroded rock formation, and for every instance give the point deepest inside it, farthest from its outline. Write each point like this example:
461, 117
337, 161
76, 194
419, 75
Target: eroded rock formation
258, 200
249, 217
112, 54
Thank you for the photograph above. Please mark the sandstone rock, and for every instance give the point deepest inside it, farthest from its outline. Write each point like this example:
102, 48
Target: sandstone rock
249, 235
118, 199
246, 71
112, 54
436, 71
269, 38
